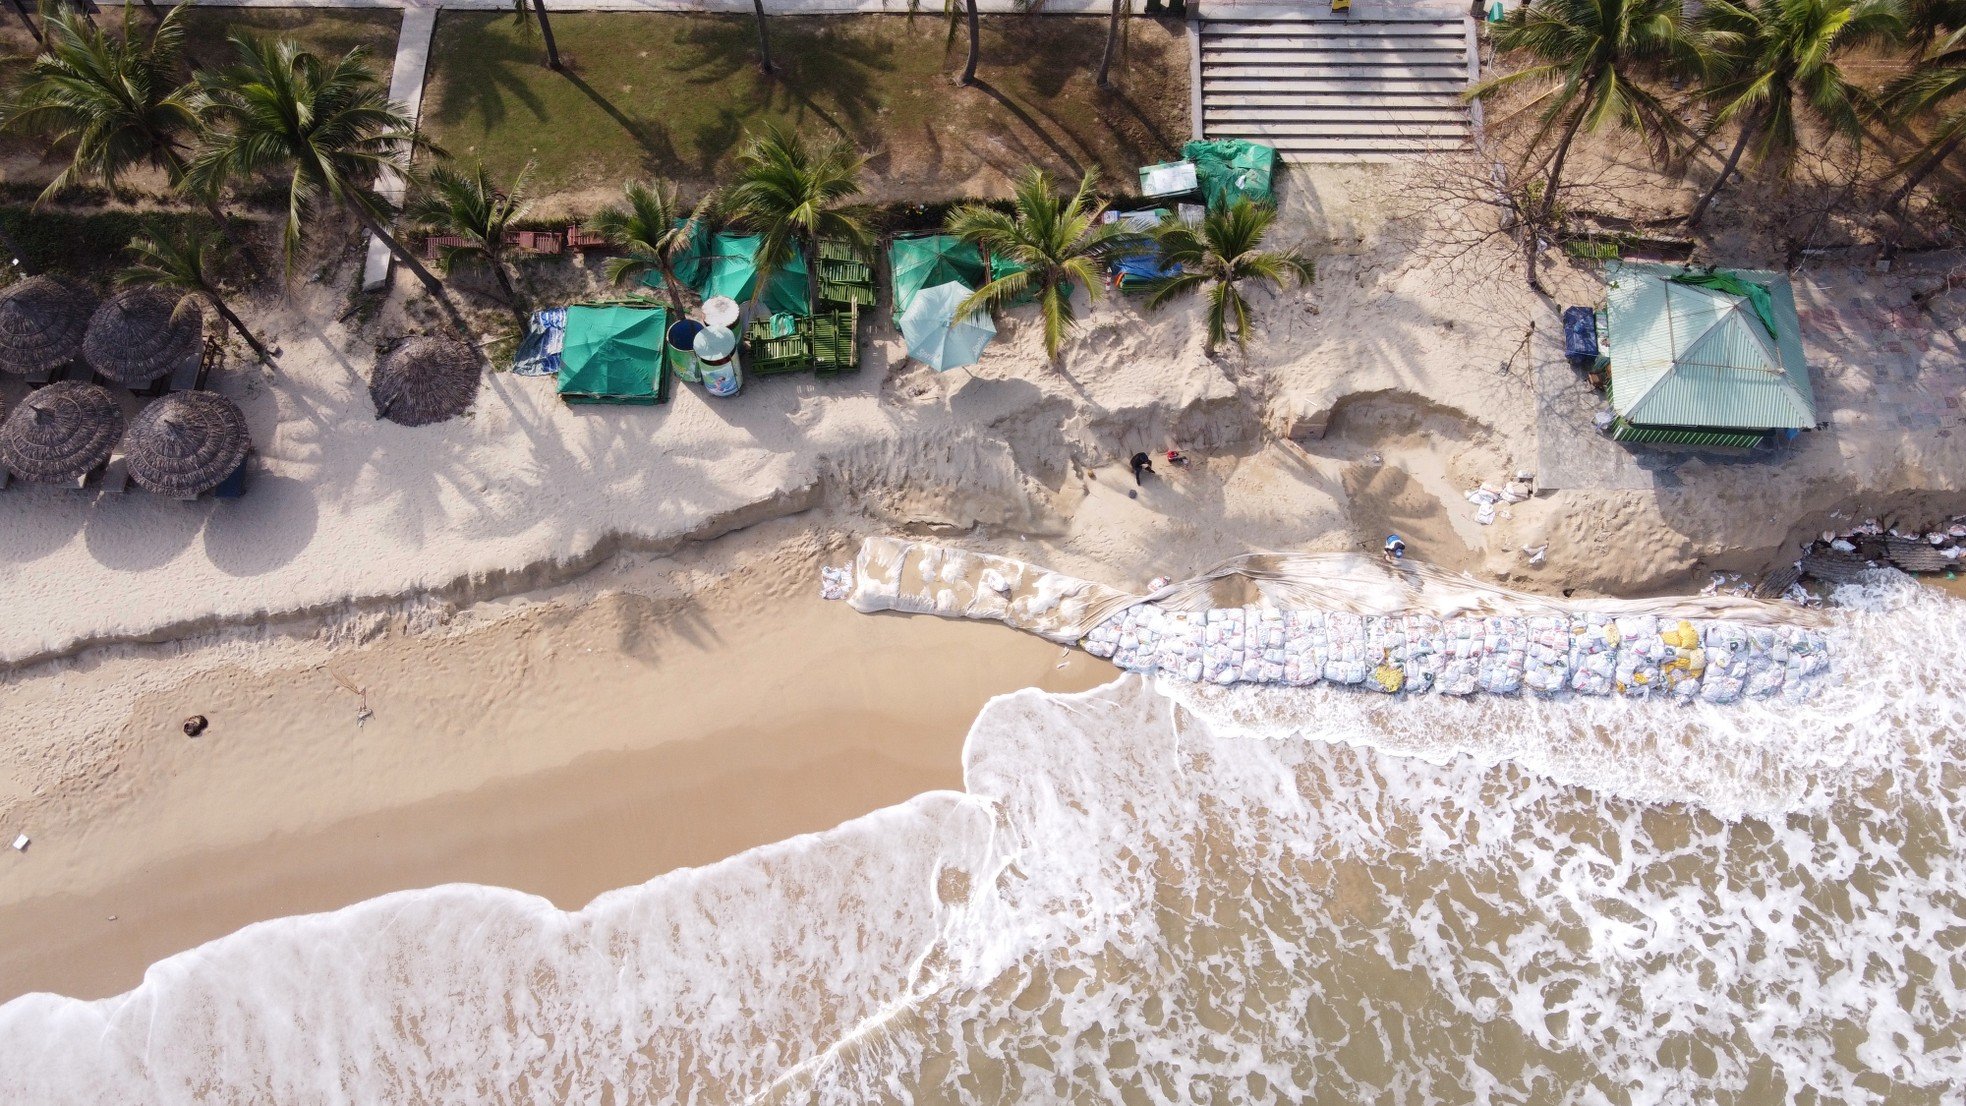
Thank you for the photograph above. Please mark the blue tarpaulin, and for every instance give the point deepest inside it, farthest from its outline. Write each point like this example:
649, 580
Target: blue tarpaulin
1580, 336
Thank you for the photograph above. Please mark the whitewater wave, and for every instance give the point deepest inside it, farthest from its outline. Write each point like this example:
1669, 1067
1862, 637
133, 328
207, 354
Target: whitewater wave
1158, 895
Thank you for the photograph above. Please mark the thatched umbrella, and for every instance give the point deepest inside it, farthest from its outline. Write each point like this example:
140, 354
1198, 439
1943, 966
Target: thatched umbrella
42, 320
186, 444
142, 333
61, 432
425, 380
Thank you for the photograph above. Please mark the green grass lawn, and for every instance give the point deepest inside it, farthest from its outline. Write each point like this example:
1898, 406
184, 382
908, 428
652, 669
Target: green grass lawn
329, 32
670, 95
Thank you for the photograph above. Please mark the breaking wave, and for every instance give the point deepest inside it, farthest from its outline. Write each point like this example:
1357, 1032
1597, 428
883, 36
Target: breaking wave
1162, 895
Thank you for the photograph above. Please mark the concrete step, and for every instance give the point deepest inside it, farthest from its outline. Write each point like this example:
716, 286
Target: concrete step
1341, 113
1329, 28
1361, 85
1338, 148
1320, 129
1377, 102
1445, 40
1212, 73
1264, 52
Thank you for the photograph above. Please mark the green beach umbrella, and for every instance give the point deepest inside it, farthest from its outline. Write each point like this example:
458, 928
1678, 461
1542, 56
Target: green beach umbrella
733, 272
936, 337
932, 259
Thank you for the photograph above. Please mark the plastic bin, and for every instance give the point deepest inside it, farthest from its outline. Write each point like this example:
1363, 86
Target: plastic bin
681, 353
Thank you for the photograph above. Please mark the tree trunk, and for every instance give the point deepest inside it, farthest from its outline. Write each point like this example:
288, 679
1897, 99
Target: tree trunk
674, 287
1555, 178
175, 162
429, 281
511, 294
1918, 175
238, 324
975, 46
1112, 43
546, 32
151, 9
764, 40
1748, 130
20, 9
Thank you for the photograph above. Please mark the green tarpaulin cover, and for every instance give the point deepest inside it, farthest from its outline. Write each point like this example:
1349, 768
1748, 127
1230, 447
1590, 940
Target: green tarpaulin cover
924, 262
732, 271
693, 264
1757, 295
613, 354
1229, 168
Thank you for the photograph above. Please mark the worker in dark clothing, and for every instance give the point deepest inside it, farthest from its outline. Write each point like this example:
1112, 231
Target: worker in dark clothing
1141, 464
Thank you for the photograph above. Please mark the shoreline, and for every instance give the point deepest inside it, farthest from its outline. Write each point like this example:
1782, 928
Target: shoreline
798, 714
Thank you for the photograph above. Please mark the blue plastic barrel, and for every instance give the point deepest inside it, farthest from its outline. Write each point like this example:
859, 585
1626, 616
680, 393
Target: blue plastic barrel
682, 349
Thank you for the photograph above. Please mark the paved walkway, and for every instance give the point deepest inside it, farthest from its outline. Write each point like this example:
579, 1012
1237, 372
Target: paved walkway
406, 88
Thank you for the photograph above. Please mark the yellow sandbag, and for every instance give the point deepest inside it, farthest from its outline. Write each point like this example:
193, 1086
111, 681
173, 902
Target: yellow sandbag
1388, 677
1682, 636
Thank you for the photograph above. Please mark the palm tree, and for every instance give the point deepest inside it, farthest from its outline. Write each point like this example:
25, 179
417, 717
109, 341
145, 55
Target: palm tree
655, 230
1225, 250
1053, 240
1121, 8
764, 40
1778, 63
1595, 51
545, 30
1938, 84
117, 97
186, 261
791, 194
330, 129
471, 207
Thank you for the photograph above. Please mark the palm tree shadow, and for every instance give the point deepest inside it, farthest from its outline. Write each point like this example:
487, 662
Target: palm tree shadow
485, 100
656, 149
1030, 123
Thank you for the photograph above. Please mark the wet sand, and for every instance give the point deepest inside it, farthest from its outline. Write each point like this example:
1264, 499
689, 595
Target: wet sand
563, 752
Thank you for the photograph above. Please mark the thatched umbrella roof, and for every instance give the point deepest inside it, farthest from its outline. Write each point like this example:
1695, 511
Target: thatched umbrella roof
187, 443
61, 432
142, 333
42, 320
425, 380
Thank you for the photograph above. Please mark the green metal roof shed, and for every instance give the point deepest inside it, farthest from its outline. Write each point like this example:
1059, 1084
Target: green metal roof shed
1714, 349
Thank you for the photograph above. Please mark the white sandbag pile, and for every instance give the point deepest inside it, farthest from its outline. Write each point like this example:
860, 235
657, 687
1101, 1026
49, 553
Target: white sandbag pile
1586, 653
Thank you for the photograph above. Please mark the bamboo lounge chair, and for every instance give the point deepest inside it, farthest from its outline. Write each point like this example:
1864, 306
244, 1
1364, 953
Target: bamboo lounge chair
836, 341
846, 275
780, 343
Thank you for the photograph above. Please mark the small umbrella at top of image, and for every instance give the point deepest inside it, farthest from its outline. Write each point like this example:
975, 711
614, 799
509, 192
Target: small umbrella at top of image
936, 337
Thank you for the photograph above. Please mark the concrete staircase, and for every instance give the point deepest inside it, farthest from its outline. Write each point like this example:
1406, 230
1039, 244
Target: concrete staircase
1320, 88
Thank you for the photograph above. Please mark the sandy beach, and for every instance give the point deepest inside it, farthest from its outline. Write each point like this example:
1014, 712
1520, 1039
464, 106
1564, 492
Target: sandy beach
561, 750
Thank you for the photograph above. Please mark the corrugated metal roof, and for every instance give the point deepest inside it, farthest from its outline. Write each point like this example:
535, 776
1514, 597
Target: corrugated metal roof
1684, 355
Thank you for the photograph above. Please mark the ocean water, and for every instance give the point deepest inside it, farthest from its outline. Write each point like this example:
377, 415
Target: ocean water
1174, 895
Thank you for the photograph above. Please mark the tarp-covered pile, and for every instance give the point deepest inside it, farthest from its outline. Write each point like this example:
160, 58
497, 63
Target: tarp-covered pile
1230, 168
726, 264
613, 354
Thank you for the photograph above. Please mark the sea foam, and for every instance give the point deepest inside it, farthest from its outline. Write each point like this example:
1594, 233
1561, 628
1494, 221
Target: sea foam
1152, 895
